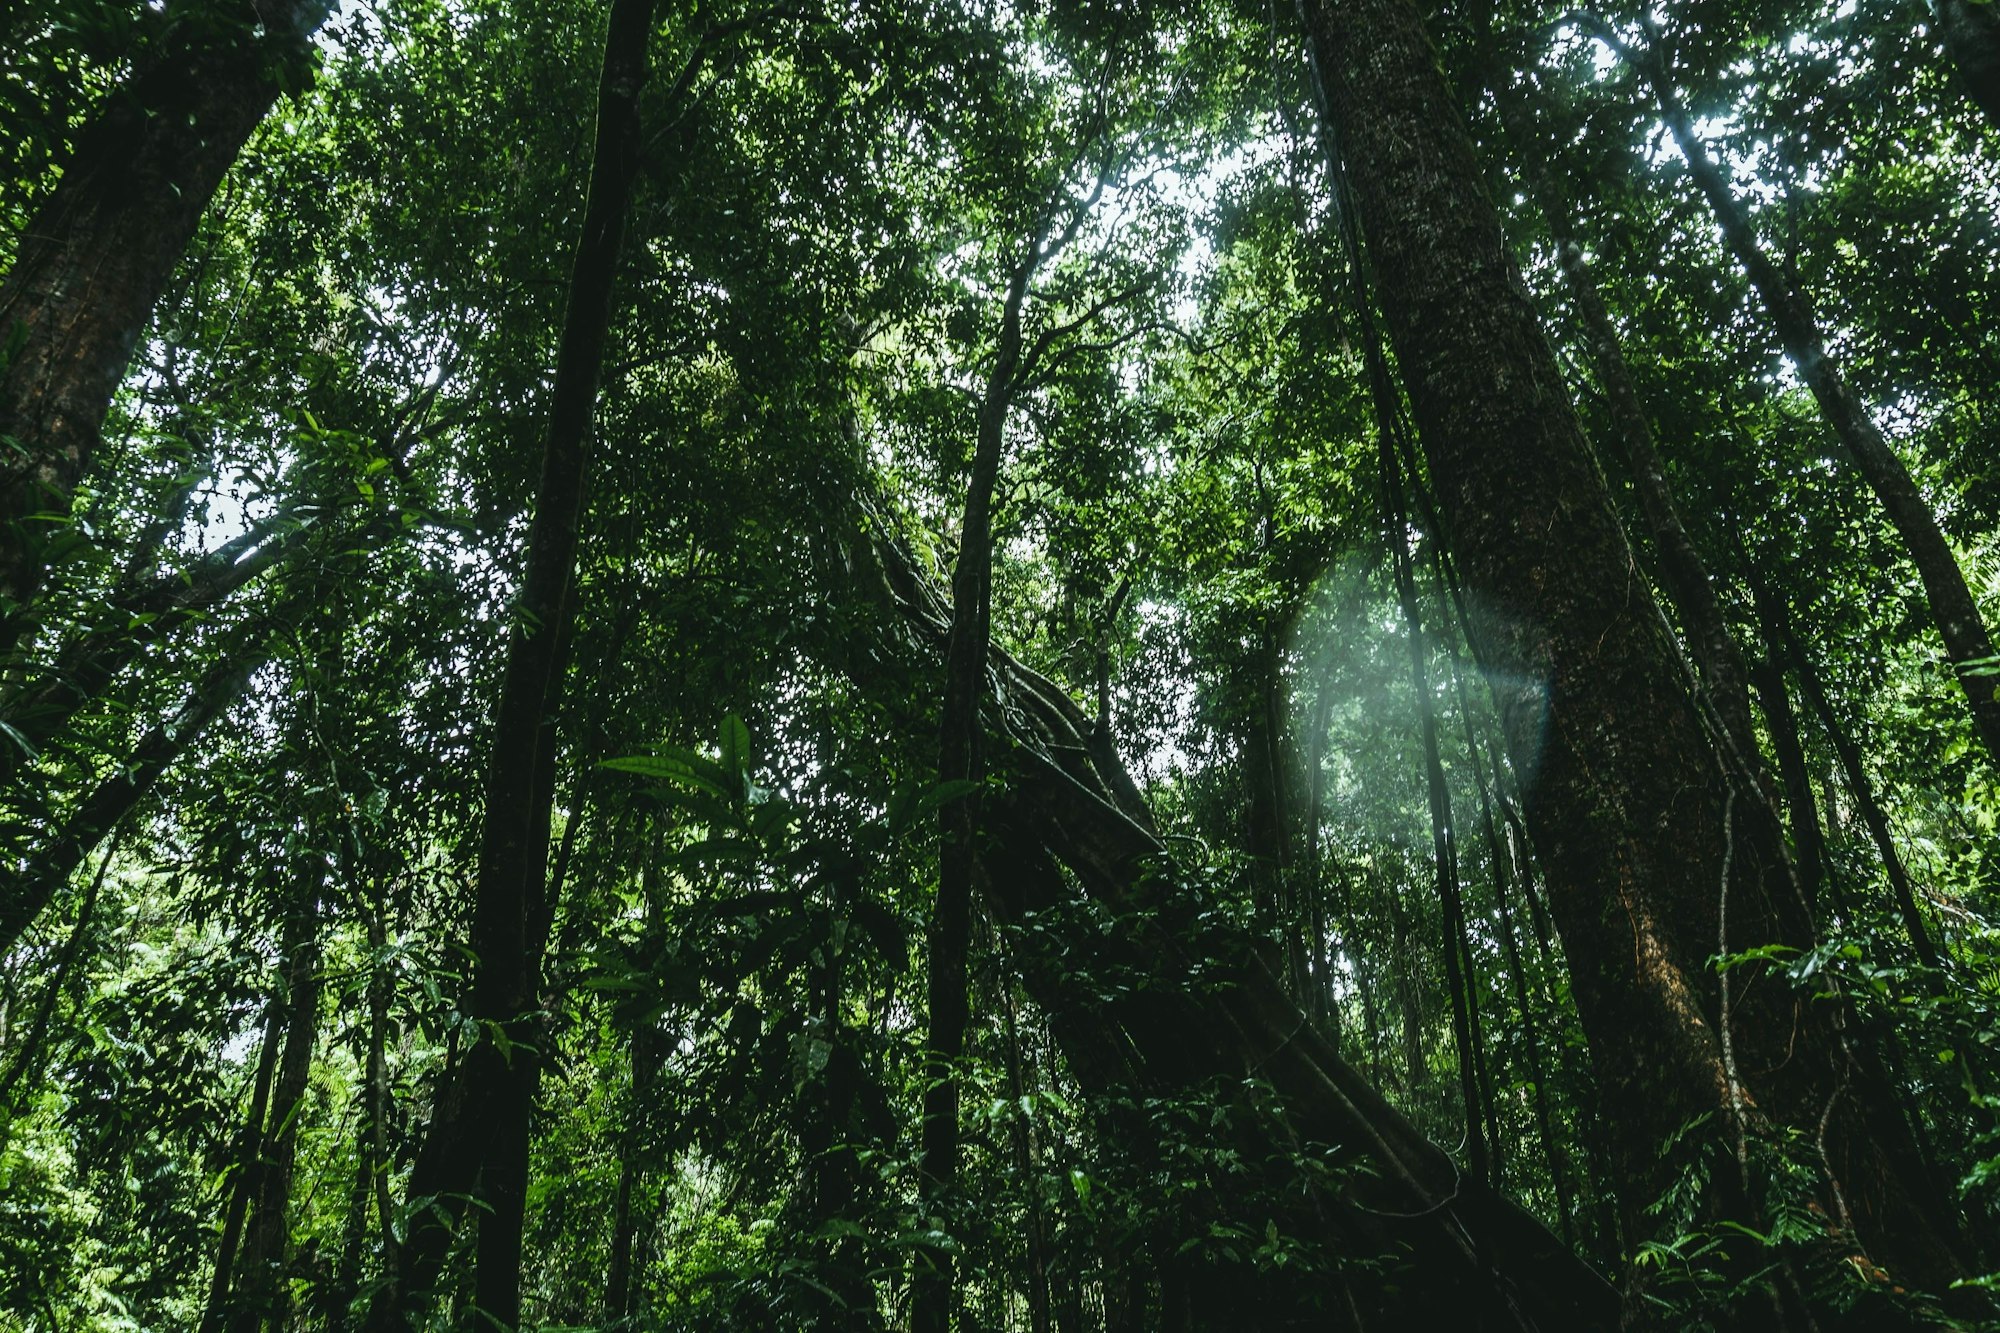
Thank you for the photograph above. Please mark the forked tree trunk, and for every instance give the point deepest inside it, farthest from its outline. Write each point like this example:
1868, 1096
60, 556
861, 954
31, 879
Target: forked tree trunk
98, 253
262, 1292
1652, 866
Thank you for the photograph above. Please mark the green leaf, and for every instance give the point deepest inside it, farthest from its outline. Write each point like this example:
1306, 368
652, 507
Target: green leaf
683, 769
733, 740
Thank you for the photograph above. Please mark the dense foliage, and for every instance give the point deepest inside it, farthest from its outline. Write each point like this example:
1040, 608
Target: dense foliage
1032, 816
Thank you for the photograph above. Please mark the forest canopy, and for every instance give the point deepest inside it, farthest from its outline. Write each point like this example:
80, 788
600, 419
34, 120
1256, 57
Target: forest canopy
999, 664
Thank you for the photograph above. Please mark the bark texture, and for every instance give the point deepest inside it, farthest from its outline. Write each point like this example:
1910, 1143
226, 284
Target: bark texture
98, 254
1683, 573
1653, 865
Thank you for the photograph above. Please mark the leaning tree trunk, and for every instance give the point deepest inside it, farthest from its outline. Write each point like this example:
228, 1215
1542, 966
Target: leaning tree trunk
25, 891
1776, 618
1967, 642
96, 256
142, 616
1808, 846
1683, 573
1648, 853
479, 1133
1069, 848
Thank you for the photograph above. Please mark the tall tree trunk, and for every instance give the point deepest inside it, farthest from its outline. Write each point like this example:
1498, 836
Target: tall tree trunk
1408, 993
26, 1056
959, 761
1648, 856
1320, 998
1971, 34
643, 1059
1777, 622
1270, 816
262, 1294
621, 1273
1479, 1145
371, 1198
1682, 571
1517, 972
98, 253
1967, 642
1021, 1137
479, 1131
1808, 847
246, 1187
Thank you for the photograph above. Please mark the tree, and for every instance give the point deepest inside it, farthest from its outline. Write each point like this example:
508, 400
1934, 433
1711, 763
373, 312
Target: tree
1092, 684
1648, 812
479, 1133
94, 259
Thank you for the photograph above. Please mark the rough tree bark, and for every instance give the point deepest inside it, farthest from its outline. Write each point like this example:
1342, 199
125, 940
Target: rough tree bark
478, 1138
1647, 854
1683, 573
98, 253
